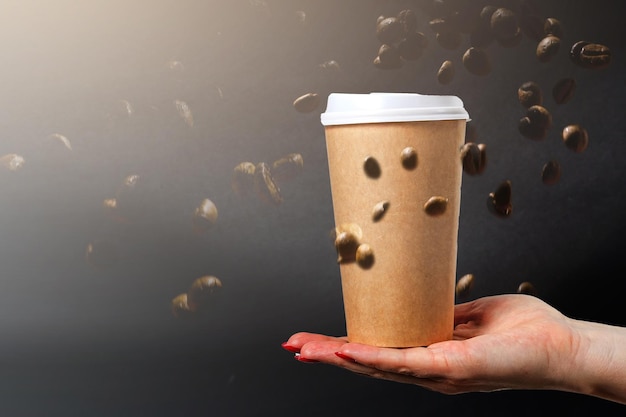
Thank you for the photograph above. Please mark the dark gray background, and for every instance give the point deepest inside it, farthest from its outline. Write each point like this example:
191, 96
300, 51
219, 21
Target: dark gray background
84, 341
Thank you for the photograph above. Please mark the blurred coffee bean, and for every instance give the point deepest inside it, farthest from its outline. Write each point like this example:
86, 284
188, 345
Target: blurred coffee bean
265, 185
529, 94
307, 103
180, 307
575, 137
590, 55
449, 40
436, 206
388, 57
371, 167
364, 256
12, 161
563, 90
499, 201
408, 20
473, 158
379, 210
539, 116
464, 285
527, 288
551, 172
202, 290
389, 30
242, 182
553, 27
445, 74
412, 46
504, 24
547, 48
287, 167
477, 61
346, 244
530, 130
204, 216
408, 158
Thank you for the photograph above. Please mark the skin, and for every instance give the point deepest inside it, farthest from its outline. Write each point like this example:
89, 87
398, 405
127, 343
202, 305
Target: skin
512, 341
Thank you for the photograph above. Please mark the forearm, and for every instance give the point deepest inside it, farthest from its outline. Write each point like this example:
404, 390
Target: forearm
599, 363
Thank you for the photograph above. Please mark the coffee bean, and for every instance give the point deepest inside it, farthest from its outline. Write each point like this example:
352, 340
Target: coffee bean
575, 138
412, 46
464, 285
371, 167
472, 158
204, 216
365, 256
202, 290
242, 182
553, 27
590, 55
389, 30
499, 201
346, 244
529, 94
477, 61
307, 102
504, 24
408, 20
527, 288
379, 210
180, 307
266, 187
436, 206
530, 130
449, 40
547, 48
388, 57
563, 90
539, 116
408, 157
287, 167
551, 172
445, 74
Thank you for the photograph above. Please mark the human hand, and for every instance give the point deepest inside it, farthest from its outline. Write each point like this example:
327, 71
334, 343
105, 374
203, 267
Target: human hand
499, 342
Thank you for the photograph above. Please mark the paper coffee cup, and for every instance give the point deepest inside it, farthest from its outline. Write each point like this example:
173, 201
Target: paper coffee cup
395, 175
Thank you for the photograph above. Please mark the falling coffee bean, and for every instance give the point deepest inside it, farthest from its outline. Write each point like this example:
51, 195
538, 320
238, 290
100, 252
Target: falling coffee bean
364, 256
266, 187
547, 48
180, 307
287, 167
551, 172
563, 90
464, 285
408, 157
539, 116
477, 61
499, 201
575, 138
529, 94
202, 290
408, 20
389, 30
445, 74
388, 57
472, 157
590, 55
371, 167
379, 210
553, 27
307, 102
436, 206
527, 288
242, 182
346, 244
530, 130
504, 24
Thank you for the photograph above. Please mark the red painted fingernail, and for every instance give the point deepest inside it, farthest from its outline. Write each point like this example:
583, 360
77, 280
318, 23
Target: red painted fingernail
290, 348
344, 356
302, 359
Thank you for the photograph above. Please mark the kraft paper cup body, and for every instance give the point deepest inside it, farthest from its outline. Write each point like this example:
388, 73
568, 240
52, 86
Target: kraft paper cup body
405, 297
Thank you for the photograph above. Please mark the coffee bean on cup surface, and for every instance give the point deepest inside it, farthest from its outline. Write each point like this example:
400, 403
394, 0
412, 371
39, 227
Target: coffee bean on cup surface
346, 244
379, 210
389, 30
547, 48
526, 288
551, 172
499, 201
371, 167
436, 206
563, 90
530, 94
445, 74
575, 137
364, 256
287, 167
464, 285
408, 158
590, 55
553, 27
477, 61
307, 102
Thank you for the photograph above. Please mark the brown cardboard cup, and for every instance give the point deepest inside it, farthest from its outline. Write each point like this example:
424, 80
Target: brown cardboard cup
403, 296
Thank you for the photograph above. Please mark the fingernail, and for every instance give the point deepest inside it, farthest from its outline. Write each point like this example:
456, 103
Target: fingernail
290, 348
300, 358
344, 356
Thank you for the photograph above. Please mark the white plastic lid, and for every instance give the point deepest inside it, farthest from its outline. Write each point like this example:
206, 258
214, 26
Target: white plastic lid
347, 108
